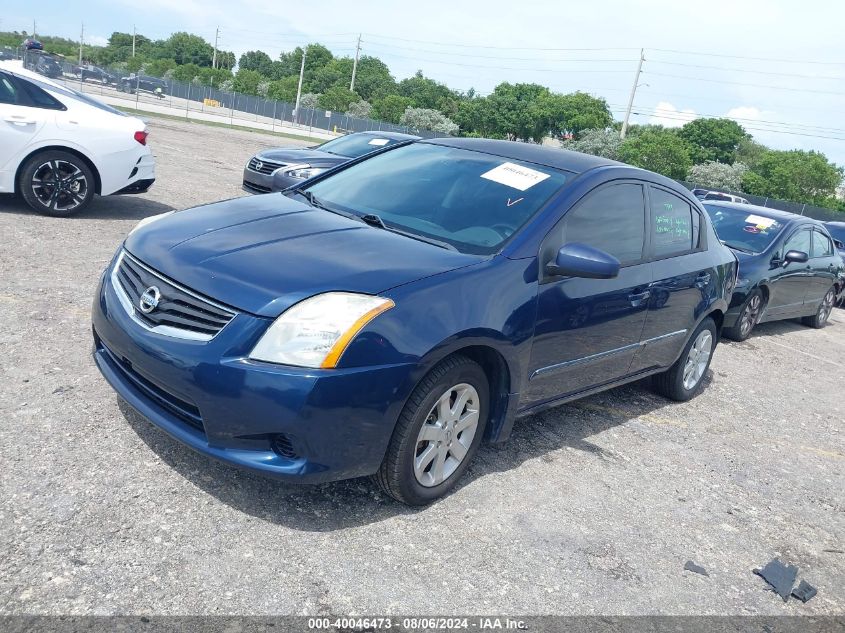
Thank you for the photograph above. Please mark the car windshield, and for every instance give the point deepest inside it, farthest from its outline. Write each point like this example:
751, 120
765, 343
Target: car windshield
470, 200
355, 145
70, 93
743, 230
837, 231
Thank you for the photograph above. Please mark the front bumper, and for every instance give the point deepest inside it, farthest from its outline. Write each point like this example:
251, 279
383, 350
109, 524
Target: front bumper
211, 397
255, 182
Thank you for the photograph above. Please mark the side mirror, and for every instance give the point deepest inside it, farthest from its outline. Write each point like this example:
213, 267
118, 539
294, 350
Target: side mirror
795, 257
580, 260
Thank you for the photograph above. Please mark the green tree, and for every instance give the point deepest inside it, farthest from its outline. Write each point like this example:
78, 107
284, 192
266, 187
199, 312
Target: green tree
749, 152
424, 92
258, 61
390, 108
373, 79
338, 99
283, 89
361, 109
480, 117
662, 151
338, 72
522, 111
158, 67
186, 48
575, 112
713, 139
186, 72
794, 175
247, 81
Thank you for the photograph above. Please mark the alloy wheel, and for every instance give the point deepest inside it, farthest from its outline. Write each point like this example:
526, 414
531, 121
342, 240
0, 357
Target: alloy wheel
446, 435
826, 307
697, 359
59, 185
750, 315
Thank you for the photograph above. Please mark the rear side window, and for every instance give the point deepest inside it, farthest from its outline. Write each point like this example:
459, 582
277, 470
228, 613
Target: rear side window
8, 92
822, 246
611, 219
674, 224
40, 98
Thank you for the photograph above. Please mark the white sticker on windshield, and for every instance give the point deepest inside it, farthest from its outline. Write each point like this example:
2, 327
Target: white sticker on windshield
760, 221
378, 141
516, 176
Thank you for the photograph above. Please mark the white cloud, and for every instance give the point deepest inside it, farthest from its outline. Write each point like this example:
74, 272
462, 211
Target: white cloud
96, 40
668, 115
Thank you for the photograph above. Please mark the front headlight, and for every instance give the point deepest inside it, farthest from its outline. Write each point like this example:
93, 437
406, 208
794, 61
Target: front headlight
153, 218
302, 171
315, 332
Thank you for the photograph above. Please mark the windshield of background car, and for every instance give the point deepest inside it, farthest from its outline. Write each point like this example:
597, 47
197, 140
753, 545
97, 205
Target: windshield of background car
70, 93
743, 230
355, 145
471, 200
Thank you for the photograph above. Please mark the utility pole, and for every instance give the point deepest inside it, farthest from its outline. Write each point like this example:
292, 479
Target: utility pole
214, 57
299, 88
355, 64
81, 38
633, 92
133, 40
33, 29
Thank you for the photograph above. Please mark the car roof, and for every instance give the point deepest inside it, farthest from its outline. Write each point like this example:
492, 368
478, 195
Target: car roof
766, 212
396, 136
567, 160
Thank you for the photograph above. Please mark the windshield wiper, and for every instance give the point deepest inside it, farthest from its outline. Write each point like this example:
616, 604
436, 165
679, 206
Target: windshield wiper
314, 201
373, 220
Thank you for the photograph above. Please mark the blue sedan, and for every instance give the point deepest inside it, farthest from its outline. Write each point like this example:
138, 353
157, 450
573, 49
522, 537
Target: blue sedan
389, 315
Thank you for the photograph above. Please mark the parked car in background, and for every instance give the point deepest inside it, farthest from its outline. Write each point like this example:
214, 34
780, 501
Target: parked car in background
7, 53
143, 83
837, 232
32, 44
279, 168
700, 193
59, 147
723, 197
390, 314
42, 63
788, 266
96, 74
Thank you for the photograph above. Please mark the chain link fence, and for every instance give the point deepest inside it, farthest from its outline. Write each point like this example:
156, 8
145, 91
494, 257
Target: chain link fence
138, 90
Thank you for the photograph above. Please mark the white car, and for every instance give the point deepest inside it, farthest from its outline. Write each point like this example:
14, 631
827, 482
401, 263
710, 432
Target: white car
59, 147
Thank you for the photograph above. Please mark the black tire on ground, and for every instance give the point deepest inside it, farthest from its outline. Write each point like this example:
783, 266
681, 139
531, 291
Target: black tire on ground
749, 315
819, 319
396, 475
671, 382
66, 202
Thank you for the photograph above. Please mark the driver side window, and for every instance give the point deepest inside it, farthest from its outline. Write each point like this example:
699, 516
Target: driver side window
798, 241
610, 218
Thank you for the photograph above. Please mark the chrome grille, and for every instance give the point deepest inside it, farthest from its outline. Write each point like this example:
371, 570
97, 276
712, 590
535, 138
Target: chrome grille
179, 312
263, 166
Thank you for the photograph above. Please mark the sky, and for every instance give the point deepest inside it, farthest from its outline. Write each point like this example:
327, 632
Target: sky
776, 66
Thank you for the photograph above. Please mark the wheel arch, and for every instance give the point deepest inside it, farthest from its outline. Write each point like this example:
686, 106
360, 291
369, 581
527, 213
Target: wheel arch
61, 148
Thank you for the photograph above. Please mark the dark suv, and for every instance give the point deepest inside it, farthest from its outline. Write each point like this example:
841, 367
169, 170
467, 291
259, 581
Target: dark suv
143, 83
387, 316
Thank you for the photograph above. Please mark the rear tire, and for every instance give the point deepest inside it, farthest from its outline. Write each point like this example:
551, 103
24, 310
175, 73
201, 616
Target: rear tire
819, 319
749, 316
685, 379
56, 183
423, 464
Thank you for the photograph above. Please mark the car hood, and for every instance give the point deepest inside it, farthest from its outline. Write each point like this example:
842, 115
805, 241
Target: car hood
262, 254
296, 155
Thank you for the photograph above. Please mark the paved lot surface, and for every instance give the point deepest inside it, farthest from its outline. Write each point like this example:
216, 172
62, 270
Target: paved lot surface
591, 508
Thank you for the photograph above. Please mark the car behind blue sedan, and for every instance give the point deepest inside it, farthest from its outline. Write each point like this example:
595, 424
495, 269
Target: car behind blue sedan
390, 315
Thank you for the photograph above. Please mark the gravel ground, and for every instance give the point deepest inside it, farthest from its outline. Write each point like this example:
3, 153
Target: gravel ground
591, 508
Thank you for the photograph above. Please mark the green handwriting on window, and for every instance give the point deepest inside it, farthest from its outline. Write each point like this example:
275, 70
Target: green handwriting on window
674, 228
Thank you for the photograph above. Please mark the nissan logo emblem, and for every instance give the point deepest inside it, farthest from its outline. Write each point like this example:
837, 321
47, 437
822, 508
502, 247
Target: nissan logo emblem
148, 301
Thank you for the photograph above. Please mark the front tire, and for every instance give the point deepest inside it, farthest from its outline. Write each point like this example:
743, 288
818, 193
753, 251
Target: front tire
437, 434
56, 183
819, 319
749, 316
685, 379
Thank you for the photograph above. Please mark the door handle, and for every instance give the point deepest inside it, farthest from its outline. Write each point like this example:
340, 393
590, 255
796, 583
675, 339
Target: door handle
19, 120
637, 298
